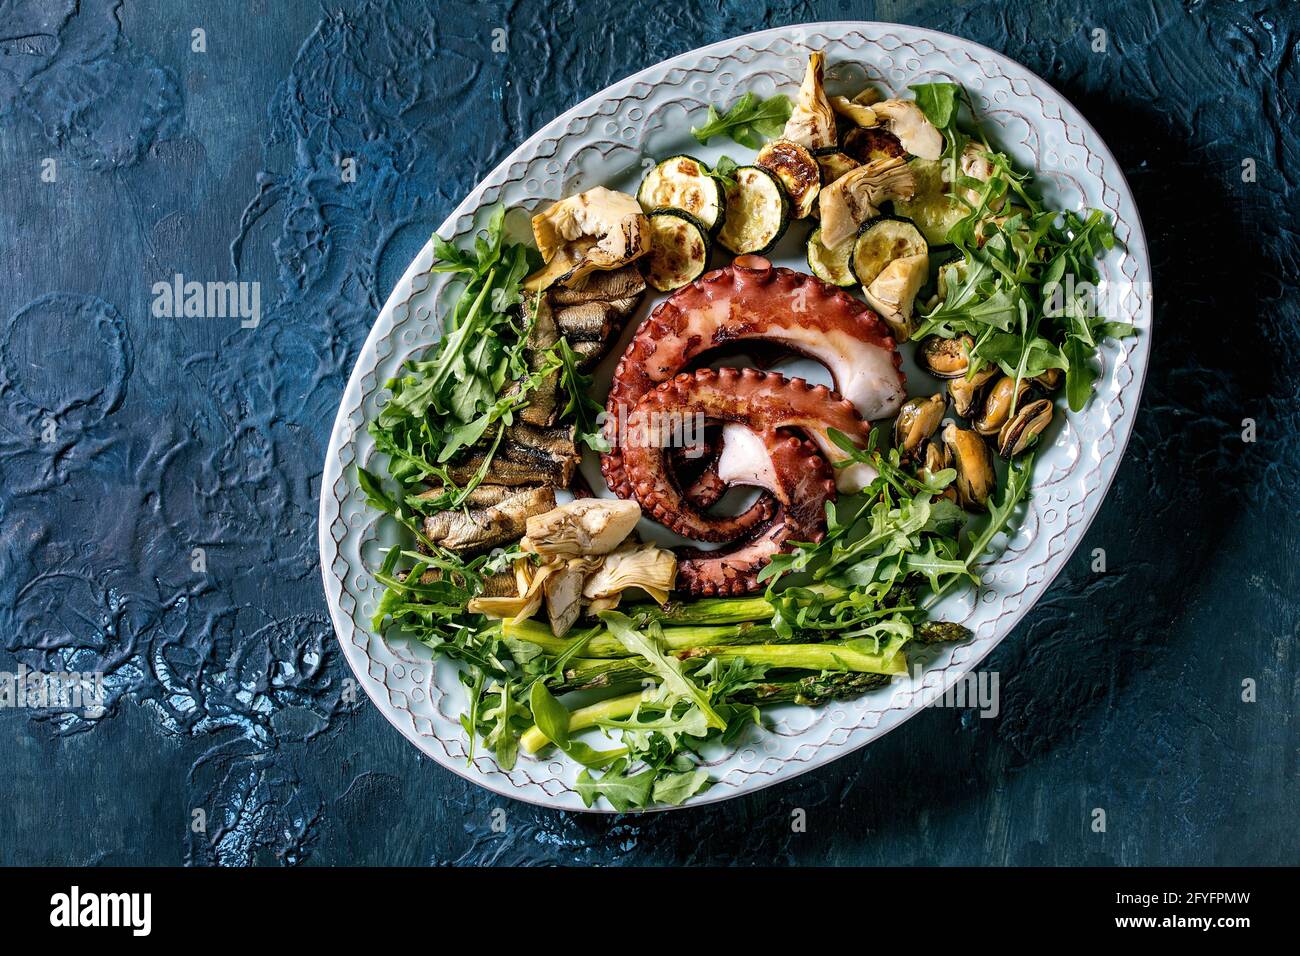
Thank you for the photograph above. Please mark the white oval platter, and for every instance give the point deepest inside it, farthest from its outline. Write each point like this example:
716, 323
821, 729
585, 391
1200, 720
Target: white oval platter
609, 140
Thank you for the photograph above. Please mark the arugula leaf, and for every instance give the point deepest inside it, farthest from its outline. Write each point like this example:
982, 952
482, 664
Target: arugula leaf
724, 171
669, 669
376, 497
692, 722
624, 791
750, 121
552, 719
587, 413
1079, 374
675, 789
1014, 490
938, 101
1022, 289
454, 398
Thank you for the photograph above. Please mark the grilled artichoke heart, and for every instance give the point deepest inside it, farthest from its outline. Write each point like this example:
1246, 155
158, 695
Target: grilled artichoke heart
812, 122
586, 526
905, 120
834, 163
856, 196
893, 293
564, 592
855, 112
975, 163
650, 568
593, 231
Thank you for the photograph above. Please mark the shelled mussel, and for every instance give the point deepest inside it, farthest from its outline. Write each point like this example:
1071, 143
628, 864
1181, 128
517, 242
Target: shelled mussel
966, 452
917, 421
1010, 414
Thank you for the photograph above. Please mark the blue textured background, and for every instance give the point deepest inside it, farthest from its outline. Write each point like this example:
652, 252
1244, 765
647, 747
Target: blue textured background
1121, 690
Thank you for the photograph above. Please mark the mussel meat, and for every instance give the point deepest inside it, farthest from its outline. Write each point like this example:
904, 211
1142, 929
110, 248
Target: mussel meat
1002, 397
967, 392
917, 420
968, 453
945, 358
1023, 428
1050, 380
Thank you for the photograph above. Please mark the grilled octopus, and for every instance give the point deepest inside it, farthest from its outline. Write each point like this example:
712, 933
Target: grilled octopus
763, 412
753, 302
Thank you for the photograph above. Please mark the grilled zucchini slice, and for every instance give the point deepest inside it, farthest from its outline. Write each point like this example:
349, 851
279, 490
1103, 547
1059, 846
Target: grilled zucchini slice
830, 265
683, 182
932, 209
882, 240
757, 212
679, 249
798, 171
867, 144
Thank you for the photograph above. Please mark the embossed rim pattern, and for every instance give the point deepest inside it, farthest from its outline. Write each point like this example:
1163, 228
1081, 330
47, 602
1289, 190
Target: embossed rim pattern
1071, 477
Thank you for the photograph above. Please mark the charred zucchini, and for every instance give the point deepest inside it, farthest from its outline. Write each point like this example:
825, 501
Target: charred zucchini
683, 182
679, 249
932, 209
798, 172
757, 212
830, 265
869, 144
879, 242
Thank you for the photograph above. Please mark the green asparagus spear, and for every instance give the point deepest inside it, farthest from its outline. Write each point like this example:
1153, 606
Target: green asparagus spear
720, 610
605, 644
940, 632
813, 691
600, 674
534, 740
860, 656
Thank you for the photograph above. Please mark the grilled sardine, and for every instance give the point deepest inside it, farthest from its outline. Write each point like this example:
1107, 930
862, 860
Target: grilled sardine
527, 456
491, 515
544, 402
625, 283
587, 322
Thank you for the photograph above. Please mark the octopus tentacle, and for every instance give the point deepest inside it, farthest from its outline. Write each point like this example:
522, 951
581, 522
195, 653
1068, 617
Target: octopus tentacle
752, 300
764, 402
805, 488
761, 410
697, 470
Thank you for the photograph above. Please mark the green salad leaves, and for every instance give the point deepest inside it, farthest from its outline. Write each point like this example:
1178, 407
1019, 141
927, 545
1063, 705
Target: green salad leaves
442, 404
750, 121
1025, 285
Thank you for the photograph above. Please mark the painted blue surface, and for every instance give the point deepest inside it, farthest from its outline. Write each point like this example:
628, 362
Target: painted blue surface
127, 441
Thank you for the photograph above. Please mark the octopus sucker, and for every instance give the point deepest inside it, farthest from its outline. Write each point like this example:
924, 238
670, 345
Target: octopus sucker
780, 429
753, 301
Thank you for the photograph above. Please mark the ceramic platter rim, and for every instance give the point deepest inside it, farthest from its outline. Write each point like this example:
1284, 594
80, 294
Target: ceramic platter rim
1072, 476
